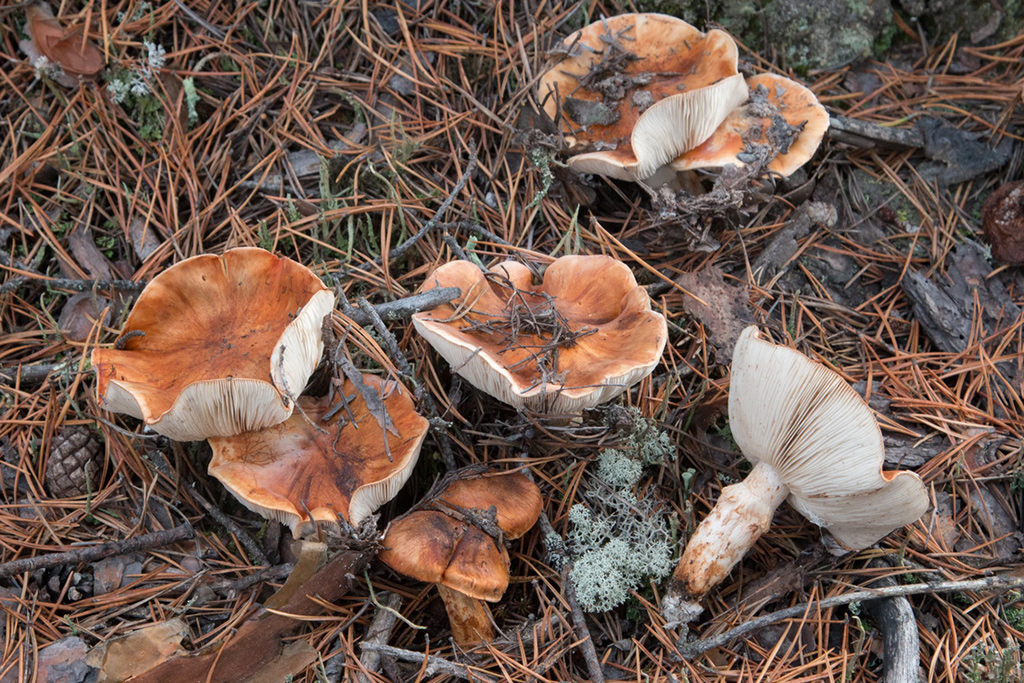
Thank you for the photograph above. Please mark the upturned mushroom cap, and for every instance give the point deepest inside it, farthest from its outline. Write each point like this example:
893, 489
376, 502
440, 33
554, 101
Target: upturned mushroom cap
643, 89
516, 499
227, 344
621, 342
803, 420
782, 116
296, 474
66, 47
433, 547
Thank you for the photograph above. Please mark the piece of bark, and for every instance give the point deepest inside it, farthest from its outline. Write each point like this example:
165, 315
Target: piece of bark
784, 246
940, 317
258, 640
721, 307
997, 522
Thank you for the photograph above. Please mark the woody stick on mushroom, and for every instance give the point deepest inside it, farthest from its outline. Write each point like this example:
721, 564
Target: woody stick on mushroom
812, 440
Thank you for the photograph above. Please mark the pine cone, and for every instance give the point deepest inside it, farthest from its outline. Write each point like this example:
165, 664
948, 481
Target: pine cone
73, 466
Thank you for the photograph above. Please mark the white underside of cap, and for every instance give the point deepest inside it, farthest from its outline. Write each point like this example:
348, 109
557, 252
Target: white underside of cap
230, 406
803, 419
677, 124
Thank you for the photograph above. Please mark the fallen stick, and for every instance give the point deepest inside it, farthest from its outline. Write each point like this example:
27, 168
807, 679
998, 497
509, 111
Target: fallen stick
869, 135
699, 647
901, 655
378, 634
156, 539
401, 309
586, 641
433, 663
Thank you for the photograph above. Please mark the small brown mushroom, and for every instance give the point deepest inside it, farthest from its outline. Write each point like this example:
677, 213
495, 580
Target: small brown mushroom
635, 91
581, 337
310, 469
812, 440
447, 546
217, 345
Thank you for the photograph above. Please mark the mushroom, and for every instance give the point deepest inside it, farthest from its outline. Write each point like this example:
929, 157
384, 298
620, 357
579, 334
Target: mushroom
217, 345
317, 467
812, 439
581, 337
455, 547
66, 47
635, 91
782, 124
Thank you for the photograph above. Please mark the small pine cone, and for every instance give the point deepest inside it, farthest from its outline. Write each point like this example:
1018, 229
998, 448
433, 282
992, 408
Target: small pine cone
74, 464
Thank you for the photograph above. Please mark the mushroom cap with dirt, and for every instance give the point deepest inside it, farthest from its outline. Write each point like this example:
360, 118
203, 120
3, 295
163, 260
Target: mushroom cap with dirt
217, 345
812, 439
581, 337
635, 91
453, 546
782, 124
317, 467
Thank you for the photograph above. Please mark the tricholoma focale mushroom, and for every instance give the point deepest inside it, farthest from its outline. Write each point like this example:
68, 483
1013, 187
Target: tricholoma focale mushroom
581, 337
217, 345
458, 545
641, 97
813, 440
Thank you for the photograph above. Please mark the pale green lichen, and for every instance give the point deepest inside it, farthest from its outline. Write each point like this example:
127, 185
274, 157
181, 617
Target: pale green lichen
615, 551
617, 540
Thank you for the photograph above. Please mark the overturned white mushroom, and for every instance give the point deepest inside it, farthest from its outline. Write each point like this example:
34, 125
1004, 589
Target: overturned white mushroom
811, 439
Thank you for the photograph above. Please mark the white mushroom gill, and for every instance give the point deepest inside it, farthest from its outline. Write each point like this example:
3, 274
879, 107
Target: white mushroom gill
811, 438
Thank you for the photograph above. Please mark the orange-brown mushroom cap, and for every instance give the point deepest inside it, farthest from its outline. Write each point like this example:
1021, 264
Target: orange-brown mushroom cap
774, 100
433, 547
516, 499
226, 344
621, 340
66, 47
642, 89
307, 469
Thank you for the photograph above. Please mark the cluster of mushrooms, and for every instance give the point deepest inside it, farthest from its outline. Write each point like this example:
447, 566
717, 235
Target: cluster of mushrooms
222, 348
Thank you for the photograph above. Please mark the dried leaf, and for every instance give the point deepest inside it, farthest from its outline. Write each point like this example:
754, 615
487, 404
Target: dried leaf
137, 652
88, 256
79, 315
66, 47
293, 658
145, 239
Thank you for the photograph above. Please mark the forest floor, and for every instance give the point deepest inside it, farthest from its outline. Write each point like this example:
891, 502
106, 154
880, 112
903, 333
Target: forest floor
332, 133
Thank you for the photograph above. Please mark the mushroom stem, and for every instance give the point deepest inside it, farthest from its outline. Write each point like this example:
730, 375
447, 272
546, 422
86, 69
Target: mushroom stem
470, 619
743, 513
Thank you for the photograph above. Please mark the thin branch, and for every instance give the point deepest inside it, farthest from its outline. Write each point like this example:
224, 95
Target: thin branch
434, 664
404, 308
1003, 582
156, 539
